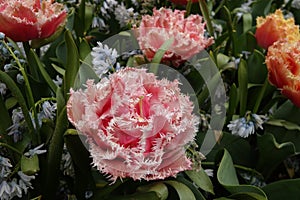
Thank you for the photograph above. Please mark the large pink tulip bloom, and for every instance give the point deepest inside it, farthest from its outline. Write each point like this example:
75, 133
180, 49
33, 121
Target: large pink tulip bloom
137, 126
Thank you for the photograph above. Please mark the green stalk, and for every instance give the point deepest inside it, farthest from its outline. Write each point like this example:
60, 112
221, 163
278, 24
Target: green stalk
261, 95
205, 13
54, 156
10, 147
29, 93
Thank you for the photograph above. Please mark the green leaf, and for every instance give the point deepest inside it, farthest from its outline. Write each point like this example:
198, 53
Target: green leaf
159, 188
287, 110
79, 22
72, 64
246, 196
60, 70
5, 78
233, 101
271, 153
227, 177
183, 191
162, 50
192, 187
54, 156
247, 22
82, 161
285, 189
44, 73
226, 173
137, 196
85, 72
5, 119
283, 123
84, 49
243, 86
201, 179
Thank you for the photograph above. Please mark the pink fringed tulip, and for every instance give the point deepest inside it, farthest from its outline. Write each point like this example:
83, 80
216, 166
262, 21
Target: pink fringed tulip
137, 126
24, 20
283, 62
188, 35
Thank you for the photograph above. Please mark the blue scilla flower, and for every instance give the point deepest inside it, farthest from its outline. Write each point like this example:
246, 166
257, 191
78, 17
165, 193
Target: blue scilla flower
104, 58
247, 125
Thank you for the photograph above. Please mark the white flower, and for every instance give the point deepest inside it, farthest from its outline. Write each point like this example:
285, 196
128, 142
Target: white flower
3, 89
58, 80
247, 125
124, 15
4, 191
296, 4
104, 58
48, 110
36, 151
15, 189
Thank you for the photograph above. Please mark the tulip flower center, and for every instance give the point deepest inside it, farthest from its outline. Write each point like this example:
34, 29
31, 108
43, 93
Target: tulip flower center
142, 109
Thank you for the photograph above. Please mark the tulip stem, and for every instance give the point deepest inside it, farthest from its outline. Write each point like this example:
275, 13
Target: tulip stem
29, 94
261, 95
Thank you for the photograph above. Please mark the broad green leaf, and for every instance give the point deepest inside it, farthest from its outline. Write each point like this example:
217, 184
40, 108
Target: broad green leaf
222, 60
283, 123
246, 196
79, 22
226, 173
82, 161
271, 153
137, 196
284, 135
183, 191
84, 49
227, 177
287, 110
243, 86
192, 187
201, 179
257, 70
247, 22
238, 147
284, 189
72, 64
159, 188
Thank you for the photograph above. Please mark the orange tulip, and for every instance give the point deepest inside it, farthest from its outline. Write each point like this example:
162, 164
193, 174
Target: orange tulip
273, 28
283, 63
24, 20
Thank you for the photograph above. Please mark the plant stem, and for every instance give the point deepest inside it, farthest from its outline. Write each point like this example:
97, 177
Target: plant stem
10, 147
261, 95
205, 13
